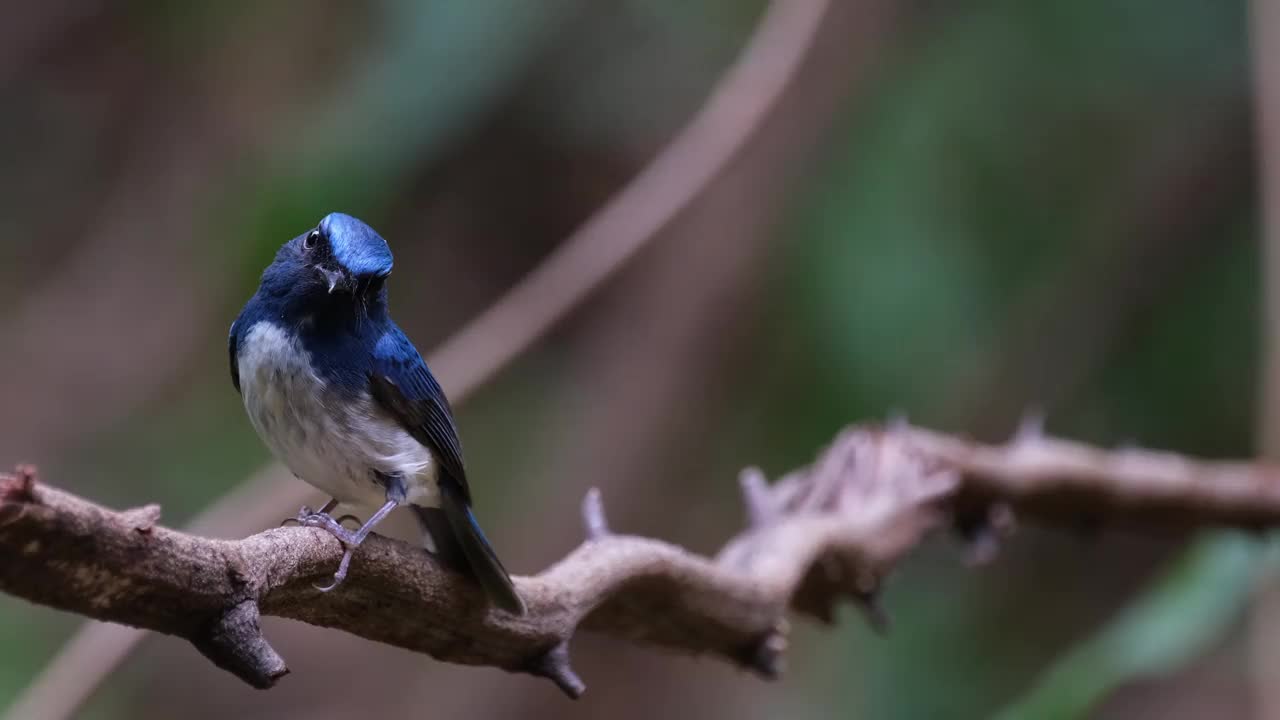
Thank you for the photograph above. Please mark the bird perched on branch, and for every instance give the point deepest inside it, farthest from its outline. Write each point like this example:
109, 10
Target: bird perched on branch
342, 397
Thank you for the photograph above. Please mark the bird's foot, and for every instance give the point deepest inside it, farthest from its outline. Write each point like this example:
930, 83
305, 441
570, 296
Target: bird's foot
310, 518
351, 539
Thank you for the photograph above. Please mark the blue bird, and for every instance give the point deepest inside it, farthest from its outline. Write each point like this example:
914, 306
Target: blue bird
344, 400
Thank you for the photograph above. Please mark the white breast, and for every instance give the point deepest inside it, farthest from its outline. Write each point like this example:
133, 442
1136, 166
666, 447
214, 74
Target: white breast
329, 439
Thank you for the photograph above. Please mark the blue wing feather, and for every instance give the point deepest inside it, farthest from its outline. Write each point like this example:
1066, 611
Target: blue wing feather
403, 385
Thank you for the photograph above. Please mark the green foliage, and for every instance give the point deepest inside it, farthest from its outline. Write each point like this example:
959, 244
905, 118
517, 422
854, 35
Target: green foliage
1182, 615
986, 161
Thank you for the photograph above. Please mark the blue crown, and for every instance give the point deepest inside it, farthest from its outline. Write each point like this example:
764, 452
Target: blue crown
356, 246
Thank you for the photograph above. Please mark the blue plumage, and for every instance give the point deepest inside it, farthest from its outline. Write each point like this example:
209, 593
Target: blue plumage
356, 246
339, 393
402, 382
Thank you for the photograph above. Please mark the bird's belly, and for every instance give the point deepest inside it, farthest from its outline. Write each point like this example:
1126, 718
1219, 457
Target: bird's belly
340, 442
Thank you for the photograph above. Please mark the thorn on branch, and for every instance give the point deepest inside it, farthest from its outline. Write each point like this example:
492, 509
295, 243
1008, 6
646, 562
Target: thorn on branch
234, 642
1030, 427
755, 494
866, 595
143, 519
593, 518
873, 611
768, 656
19, 487
554, 665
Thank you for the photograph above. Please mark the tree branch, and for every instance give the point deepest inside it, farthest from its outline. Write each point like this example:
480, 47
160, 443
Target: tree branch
830, 531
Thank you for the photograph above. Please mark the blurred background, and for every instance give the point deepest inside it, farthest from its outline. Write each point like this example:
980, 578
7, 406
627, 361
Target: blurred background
958, 212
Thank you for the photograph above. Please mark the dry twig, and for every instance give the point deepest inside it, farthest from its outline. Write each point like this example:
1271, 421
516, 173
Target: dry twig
826, 532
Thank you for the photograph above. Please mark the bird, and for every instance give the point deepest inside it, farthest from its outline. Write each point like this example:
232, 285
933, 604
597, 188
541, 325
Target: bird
340, 395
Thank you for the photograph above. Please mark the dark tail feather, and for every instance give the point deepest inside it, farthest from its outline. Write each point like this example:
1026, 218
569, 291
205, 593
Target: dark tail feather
447, 550
461, 545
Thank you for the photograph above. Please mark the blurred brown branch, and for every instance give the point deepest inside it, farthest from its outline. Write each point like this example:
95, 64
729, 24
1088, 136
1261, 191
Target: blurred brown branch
825, 532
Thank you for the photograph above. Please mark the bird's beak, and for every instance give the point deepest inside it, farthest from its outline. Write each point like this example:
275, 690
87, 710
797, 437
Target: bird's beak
334, 277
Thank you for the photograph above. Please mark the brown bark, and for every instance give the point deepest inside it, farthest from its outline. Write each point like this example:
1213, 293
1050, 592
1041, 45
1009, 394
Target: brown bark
826, 532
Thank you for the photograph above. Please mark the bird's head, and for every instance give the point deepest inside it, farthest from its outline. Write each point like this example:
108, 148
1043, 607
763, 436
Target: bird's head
347, 254
339, 264
341, 256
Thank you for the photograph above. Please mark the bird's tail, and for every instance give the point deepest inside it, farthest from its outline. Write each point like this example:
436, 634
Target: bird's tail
462, 545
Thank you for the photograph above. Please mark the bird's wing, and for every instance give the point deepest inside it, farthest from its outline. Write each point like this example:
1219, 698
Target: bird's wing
233, 343
401, 383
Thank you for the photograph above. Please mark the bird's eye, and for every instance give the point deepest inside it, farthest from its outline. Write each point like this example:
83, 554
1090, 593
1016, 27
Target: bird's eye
313, 237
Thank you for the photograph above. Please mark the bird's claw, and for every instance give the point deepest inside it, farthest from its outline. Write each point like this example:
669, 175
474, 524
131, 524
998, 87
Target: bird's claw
334, 527
340, 575
300, 518
327, 588
349, 538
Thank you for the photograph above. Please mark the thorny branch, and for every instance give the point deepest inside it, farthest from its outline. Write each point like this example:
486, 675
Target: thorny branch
827, 532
